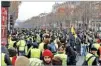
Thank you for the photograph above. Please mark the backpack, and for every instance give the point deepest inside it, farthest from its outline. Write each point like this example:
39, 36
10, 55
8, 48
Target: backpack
52, 47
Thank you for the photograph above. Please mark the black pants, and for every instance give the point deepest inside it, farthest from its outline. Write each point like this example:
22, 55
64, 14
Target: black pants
78, 48
71, 60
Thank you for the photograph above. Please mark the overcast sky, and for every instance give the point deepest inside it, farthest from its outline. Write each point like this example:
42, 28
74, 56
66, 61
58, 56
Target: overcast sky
30, 9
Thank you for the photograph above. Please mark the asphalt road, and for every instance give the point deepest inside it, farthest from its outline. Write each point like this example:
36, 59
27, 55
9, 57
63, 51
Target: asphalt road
80, 61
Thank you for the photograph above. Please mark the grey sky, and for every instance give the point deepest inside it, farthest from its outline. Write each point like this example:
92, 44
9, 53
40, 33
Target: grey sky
30, 9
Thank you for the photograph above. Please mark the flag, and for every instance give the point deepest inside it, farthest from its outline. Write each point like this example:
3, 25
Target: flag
73, 32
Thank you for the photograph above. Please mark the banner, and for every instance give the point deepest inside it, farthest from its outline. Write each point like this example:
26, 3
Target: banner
4, 24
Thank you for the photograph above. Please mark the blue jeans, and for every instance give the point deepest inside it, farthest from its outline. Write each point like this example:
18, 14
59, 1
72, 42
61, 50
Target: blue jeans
83, 50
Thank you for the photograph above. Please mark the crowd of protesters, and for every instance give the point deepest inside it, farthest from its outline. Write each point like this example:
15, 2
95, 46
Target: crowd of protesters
40, 47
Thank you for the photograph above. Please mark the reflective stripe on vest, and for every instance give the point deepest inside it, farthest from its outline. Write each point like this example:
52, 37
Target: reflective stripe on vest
90, 60
35, 53
22, 45
28, 50
21, 48
3, 60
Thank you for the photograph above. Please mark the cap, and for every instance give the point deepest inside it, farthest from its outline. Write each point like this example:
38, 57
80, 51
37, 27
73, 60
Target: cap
93, 49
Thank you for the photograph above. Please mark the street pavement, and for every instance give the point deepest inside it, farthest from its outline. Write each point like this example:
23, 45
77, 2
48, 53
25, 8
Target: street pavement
80, 61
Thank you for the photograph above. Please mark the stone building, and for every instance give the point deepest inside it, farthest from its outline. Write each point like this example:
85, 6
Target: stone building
13, 13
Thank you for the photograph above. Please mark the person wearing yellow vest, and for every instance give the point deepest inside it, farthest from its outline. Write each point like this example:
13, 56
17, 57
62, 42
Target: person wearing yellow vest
28, 47
90, 58
11, 44
5, 59
62, 55
97, 45
13, 55
21, 46
9, 38
38, 39
34, 52
41, 45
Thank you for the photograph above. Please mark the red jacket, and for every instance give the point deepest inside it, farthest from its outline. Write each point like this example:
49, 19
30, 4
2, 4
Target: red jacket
13, 60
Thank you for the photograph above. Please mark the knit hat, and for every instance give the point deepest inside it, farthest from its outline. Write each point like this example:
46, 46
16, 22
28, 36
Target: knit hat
47, 53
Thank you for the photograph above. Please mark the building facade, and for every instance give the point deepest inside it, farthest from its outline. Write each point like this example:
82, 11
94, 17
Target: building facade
13, 13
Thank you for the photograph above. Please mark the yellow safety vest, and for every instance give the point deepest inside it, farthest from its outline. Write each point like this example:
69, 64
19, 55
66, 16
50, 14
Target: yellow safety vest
21, 44
41, 45
38, 39
90, 61
35, 53
63, 57
3, 60
11, 43
28, 39
27, 50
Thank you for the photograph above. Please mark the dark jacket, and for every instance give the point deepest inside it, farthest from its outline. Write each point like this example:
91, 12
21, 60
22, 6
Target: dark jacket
71, 56
4, 50
71, 40
7, 59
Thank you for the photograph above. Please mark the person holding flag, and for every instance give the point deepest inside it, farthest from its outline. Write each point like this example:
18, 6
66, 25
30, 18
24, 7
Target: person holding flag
72, 37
